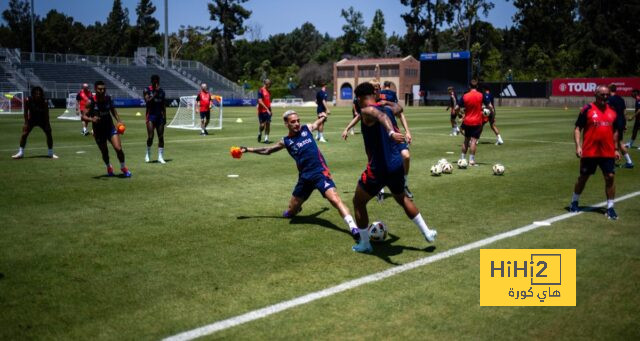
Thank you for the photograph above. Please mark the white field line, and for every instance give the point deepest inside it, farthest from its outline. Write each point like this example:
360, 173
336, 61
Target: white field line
285, 305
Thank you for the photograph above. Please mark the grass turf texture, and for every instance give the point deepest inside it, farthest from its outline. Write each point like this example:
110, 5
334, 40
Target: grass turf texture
181, 245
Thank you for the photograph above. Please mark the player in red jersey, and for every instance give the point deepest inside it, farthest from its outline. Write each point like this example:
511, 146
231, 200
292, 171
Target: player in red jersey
472, 121
82, 98
204, 101
264, 111
36, 114
597, 124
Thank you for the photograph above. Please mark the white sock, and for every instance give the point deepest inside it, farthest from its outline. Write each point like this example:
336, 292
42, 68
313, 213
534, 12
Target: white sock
463, 156
609, 203
160, 151
20, 150
628, 158
349, 220
364, 235
422, 225
575, 197
499, 138
148, 150
472, 157
122, 165
266, 137
631, 143
406, 181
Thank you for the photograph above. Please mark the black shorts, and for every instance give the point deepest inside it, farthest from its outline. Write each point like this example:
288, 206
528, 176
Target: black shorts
372, 182
471, 131
104, 134
588, 165
205, 114
44, 124
264, 117
453, 116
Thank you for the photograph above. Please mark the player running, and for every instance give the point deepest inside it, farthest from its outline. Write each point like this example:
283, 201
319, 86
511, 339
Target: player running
489, 104
321, 101
635, 94
204, 101
616, 102
264, 111
36, 114
82, 98
385, 167
452, 108
99, 111
156, 117
597, 123
472, 121
312, 168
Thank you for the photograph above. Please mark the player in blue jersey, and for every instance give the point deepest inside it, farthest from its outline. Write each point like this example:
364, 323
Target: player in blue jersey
313, 172
635, 94
487, 101
156, 116
616, 102
382, 142
321, 101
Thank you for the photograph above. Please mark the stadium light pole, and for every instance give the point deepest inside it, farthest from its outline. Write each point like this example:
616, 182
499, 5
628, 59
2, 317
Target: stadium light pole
33, 36
166, 33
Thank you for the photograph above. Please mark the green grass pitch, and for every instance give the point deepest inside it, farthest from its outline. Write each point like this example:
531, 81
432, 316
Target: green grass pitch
182, 245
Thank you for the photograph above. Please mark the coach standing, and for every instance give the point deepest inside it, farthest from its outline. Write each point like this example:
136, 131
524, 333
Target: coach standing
616, 102
472, 121
597, 124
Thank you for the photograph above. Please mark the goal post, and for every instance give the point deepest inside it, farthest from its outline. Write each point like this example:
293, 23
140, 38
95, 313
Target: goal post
188, 115
71, 111
11, 102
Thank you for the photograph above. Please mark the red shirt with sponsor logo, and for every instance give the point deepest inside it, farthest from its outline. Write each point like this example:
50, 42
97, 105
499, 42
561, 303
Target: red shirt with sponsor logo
264, 94
597, 127
205, 101
83, 98
472, 103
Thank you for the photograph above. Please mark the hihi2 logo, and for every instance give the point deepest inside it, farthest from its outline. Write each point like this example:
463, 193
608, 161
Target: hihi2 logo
527, 277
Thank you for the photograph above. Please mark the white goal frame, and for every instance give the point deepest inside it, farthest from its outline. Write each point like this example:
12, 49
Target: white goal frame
71, 112
11, 102
188, 115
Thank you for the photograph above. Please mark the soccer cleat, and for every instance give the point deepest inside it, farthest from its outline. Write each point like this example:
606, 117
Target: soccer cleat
628, 145
380, 196
126, 172
407, 192
499, 142
286, 214
53, 156
430, 236
322, 139
202, 133
573, 207
206, 132
110, 170
611, 214
17, 156
627, 165
362, 247
259, 137
161, 159
355, 234
147, 158
472, 163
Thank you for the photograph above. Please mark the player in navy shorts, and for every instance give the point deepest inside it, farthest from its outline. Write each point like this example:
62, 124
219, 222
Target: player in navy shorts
385, 167
313, 172
322, 107
156, 117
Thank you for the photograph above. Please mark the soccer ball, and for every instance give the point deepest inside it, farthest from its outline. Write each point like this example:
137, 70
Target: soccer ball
498, 169
442, 161
447, 168
486, 111
377, 231
462, 163
436, 169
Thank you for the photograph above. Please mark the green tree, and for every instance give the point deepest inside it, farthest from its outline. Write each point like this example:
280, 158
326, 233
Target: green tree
18, 19
466, 14
354, 31
114, 40
492, 66
423, 21
145, 31
375, 38
57, 34
229, 15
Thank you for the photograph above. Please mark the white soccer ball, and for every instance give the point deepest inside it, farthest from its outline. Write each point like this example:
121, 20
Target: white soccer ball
447, 168
377, 231
462, 163
442, 161
486, 111
498, 169
436, 170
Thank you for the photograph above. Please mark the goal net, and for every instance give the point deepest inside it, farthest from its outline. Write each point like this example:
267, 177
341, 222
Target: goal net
71, 112
11, 102
188, 114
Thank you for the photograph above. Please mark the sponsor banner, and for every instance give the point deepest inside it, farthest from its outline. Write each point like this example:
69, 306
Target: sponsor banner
518, 89
128, 102
587, 86
527, 277
445, 55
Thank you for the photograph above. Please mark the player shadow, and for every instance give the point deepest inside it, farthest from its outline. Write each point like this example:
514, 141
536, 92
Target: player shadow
589, 209
106, 176
165, 160
36, 157
313, 219
384, 250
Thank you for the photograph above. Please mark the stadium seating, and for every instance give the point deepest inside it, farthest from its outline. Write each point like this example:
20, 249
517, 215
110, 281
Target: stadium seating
66, 73
140, 77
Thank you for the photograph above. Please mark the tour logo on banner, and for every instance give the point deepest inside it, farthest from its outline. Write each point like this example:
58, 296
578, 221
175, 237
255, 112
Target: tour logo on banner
587, 86
527, 277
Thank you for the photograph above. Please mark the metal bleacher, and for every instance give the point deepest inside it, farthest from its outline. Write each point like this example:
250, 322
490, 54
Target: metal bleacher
139, 77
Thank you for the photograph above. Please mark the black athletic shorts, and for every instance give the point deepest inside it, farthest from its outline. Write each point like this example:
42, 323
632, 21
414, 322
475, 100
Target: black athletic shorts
588, 165
471, 131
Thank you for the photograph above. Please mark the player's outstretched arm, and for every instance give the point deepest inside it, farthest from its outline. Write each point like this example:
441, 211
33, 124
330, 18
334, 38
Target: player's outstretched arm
370, 115
264, 150
321, 118
351, 124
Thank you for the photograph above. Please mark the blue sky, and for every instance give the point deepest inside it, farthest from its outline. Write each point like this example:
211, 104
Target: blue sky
270, 16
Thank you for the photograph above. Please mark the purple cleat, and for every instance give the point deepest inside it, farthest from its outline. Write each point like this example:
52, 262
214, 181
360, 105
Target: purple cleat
355, 234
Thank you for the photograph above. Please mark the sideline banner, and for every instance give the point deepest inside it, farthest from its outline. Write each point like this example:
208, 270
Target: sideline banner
587, 86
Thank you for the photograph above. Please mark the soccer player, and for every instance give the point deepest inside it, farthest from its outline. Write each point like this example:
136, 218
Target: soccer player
385, 166
636, 126
82, 98
321, 101
264, 111
452, 108
616, 102
36, 114
488, 103
597, 123
156, 117
99, 111
205, 102
472, 121
312, 168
